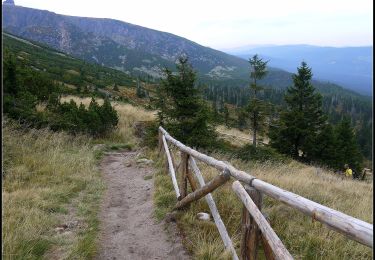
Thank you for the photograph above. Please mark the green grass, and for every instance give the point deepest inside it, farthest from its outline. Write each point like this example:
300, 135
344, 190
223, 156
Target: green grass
48, 178
303, 238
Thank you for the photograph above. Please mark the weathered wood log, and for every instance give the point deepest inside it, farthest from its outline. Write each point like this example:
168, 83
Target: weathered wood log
250, 230
193, 183
209, 187
184, 169
160, 143
214, 211
171, 169
275, 243
352, 228
267, 248
185, 163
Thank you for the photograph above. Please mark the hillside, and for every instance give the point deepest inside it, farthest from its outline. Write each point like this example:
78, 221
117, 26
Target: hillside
74, 72
135, 49
117, 44
350, 67
61, 66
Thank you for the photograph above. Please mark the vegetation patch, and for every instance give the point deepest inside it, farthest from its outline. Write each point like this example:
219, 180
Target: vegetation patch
304, 238
49, 179
260, 153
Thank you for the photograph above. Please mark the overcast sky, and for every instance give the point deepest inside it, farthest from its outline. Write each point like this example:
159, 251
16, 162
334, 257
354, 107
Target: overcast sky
234, 23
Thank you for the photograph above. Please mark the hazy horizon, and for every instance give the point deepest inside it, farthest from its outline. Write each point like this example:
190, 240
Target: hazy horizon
226, 26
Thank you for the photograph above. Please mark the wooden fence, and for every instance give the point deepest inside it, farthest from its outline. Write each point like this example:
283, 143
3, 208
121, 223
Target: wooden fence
250, 190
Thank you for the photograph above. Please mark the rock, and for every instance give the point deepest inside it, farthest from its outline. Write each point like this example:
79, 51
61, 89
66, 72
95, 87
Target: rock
61, 228
98, 147
203, 216
145, 161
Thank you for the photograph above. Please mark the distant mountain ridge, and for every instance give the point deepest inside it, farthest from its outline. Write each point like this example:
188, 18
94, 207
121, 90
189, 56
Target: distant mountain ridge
117, 44
134, 49
350, 67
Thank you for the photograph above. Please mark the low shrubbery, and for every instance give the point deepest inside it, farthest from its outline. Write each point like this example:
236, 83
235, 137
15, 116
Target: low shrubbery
25, 90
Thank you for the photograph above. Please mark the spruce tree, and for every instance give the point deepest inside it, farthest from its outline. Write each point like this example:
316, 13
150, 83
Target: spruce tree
182, 111
347, 147
300, 123
256, 107
325, 149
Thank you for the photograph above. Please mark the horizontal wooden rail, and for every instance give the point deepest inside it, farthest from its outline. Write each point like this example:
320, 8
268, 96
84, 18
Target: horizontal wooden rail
171, 168
209, 187
352, 228
273, 240
214, 211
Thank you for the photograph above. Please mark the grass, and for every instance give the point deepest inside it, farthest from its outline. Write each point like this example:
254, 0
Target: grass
48, 179
52, 178
304, 238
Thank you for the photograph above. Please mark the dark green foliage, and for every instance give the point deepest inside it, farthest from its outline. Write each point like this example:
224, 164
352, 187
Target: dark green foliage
241, 118
347, 148
24, 89
150, 138
140, 92
336, 103
182, 110
256, 107
260, 154
300, 123
59, 66
325, 149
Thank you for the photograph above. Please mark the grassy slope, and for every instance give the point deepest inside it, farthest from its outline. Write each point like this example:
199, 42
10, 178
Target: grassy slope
52, 179
44, 175
304, 238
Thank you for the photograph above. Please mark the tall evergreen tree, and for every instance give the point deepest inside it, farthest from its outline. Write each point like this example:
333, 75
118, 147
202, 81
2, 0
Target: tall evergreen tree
256, 107
300, 123
182, 110
325, 148
347, 147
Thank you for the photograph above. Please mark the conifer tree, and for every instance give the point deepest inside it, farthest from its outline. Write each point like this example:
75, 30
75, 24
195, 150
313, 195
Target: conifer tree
300, 123
182, 111
347, 147
325, 149
256, 107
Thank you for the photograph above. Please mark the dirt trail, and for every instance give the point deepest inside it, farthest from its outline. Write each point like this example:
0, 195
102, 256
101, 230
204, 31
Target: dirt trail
129, 229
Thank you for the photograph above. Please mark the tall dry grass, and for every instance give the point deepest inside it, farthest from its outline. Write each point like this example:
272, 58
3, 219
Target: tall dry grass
303, 237
48, 178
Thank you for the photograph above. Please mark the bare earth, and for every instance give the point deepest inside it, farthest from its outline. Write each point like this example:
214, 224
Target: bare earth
128, 227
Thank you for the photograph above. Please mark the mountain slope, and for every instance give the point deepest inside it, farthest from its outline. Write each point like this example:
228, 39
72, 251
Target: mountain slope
117, 44
135, 49
350, 67
62, 67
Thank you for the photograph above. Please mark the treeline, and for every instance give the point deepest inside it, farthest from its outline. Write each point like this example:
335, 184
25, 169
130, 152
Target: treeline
336, 106
64, 68
32, 98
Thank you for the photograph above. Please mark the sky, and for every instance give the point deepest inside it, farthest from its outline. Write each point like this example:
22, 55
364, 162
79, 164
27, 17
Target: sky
234, 23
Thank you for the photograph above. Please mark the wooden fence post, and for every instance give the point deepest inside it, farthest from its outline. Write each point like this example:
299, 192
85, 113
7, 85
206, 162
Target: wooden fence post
160, 138
250, 231
266, 247
184, 169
